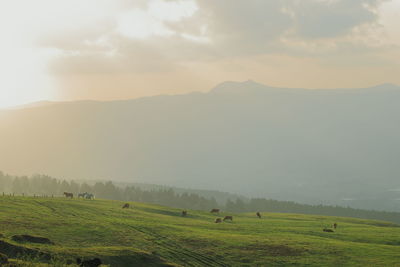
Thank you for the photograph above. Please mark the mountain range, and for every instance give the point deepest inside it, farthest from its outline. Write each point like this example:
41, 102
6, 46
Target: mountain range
326, 146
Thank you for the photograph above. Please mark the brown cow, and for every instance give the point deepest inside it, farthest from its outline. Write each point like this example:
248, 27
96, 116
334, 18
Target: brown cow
125, 206
335, 225
214, 211
67, 195
218, 220
258, 215
328, 230
184, 213
228, 218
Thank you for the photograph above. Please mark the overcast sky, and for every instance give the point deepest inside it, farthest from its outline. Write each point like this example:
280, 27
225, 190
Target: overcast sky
114, 49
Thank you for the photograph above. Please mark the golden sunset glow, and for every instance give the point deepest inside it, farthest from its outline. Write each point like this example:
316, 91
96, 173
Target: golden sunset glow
126, 49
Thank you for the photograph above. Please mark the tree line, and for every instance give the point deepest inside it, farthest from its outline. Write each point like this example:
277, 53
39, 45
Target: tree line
46, 185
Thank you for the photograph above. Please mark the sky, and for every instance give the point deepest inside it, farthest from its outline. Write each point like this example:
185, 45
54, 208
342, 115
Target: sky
116, 49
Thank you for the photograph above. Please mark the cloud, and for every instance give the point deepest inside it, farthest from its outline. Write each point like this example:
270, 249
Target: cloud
258, 26
142, 23
244, 25
330, 18
241, 27
86, 45
161, 36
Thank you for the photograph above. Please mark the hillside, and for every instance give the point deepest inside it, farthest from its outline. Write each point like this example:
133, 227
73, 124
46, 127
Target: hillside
42, 185
149, 235
311, 146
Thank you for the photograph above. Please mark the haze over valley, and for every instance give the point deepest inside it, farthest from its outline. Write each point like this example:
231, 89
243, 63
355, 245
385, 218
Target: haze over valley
332, 146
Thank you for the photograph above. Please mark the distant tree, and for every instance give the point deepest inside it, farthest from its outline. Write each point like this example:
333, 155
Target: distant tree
20, 185
16, 185
148, 196
99, 189
230, 205
111, 191
64, 187
85, 188
74, 187
2, 182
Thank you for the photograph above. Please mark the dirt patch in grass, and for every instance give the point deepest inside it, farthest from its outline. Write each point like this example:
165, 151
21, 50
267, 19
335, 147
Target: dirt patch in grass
31, 239
200, 243
14, 251
3, 259
136, 260
275, 250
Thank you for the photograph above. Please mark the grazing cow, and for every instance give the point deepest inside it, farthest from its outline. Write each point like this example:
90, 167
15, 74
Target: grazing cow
218, 220
258, 215
67, 195
335, 225
184, 213
214, 211
96, 262
228, 218
328, 230
89, 196
125, 206
82, 195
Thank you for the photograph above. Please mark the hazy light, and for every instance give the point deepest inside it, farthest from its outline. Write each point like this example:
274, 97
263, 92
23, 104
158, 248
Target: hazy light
144, 23
31, 32
390, 20
23, 62
172, 11
23, 77
139, 24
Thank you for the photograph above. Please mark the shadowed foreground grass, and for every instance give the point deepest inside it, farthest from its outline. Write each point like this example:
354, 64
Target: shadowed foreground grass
150, 235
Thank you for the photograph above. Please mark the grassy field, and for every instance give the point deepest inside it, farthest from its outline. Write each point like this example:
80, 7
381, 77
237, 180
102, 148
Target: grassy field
149, 235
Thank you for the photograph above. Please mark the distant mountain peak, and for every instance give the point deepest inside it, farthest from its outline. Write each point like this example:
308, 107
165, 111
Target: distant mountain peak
386, 86
243, 83
231, 86
252, 86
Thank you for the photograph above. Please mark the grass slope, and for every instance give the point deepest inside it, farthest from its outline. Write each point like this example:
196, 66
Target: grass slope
150, 235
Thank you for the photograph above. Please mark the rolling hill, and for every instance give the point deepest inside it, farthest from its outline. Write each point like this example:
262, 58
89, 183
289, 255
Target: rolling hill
150, 235
338, 146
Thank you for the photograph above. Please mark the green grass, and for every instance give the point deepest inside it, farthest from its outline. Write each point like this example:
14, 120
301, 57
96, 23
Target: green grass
150, 235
